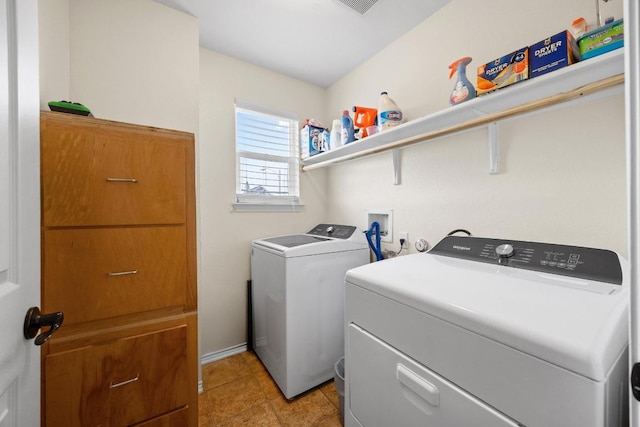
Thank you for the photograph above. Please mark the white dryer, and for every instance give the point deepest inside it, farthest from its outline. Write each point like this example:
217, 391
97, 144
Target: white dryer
298, 302
484, 332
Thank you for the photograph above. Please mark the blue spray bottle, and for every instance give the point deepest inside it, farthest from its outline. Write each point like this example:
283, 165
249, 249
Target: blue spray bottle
463, 89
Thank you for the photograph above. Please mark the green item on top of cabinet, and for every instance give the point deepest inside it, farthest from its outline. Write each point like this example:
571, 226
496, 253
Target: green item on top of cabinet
69, 107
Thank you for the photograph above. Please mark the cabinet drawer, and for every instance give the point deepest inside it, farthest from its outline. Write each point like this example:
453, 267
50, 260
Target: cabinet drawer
99, 273
179, 418
87, 177
118, 383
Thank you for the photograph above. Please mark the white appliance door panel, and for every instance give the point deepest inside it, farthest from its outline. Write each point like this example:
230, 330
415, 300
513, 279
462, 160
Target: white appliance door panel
315, 316
501, 376
388, 388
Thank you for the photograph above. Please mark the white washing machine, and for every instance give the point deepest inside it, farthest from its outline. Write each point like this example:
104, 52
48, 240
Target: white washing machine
484, 332
298, 302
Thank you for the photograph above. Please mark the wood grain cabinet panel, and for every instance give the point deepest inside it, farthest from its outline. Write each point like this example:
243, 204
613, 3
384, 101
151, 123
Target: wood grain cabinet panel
118, 384
119, 260
113, 271
175, 418
101, 174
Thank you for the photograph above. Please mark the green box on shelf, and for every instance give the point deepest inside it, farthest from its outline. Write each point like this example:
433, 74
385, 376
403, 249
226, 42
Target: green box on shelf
601, 40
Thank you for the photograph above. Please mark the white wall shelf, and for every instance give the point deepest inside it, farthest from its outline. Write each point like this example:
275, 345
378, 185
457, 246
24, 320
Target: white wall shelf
596, 75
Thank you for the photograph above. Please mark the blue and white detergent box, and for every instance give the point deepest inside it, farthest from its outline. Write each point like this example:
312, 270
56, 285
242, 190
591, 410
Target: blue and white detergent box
553, 53
313, 140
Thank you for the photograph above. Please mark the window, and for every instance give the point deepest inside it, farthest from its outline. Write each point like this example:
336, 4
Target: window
267, 159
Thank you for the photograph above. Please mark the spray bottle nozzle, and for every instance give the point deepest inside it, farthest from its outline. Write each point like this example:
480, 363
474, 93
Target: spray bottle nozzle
462, 61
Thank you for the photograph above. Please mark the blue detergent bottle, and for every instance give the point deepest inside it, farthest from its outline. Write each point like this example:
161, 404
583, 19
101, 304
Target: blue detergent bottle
347, 128
463, 89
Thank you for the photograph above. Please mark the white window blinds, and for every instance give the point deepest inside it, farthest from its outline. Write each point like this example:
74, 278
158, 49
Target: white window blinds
267, 156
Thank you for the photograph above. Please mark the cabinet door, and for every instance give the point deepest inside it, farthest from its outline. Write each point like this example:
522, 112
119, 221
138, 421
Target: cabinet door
118, 383
93, 274
106, 175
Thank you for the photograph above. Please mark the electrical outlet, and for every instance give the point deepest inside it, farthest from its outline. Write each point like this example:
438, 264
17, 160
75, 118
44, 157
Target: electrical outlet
404, 235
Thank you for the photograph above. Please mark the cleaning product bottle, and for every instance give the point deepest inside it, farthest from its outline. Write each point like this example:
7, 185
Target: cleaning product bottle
326, 140
347, 128
389, 114
304, 140
335, 138
463, 89
363, 118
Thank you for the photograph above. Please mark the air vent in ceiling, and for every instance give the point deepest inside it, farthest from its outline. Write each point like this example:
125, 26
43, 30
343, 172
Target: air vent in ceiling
360, 6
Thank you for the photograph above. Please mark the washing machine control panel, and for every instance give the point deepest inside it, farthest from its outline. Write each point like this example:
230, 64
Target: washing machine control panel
333, 230
574, 261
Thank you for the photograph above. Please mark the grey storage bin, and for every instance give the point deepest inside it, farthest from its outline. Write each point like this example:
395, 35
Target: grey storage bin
339, 383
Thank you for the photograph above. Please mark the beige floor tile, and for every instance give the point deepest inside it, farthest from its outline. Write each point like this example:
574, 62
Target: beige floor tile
268, 386
232, 398
303, 411
203, 411
224, 371
240, 392
259, 416
253, 362
331, 421
329, 390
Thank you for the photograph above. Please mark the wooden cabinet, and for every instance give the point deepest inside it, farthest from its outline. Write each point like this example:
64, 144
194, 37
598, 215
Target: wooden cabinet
119, 260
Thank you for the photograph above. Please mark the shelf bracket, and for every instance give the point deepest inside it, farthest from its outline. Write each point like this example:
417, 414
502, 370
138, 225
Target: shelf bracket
493, 147
396, 166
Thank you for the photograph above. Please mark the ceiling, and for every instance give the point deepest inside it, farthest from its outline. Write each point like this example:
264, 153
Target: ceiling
316, 41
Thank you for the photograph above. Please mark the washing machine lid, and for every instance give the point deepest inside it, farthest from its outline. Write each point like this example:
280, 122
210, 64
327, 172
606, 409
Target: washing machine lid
323, 238
571, 322
294, 240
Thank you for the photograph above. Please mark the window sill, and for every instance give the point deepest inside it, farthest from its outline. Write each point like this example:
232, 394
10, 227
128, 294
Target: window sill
266, 207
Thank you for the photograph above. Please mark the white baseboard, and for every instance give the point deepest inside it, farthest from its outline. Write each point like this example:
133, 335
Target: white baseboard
219, 355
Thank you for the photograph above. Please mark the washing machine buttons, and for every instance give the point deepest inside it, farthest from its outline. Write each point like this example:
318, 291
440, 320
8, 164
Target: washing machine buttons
504, 252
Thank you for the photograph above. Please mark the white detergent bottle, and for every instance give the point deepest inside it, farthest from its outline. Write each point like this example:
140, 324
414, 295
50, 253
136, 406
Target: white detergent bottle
389, 114
336, 134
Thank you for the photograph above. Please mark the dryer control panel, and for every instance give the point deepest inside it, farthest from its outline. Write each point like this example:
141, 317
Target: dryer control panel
575, 261
333, 230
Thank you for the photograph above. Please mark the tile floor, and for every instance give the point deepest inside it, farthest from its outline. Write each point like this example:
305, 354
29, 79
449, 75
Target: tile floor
238, 391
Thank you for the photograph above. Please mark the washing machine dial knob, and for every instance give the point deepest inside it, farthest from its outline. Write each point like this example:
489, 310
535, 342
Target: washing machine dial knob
504, 252
330, 229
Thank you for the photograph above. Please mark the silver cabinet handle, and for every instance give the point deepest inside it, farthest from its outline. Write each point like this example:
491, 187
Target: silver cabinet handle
122, 180
122, 273
132, 380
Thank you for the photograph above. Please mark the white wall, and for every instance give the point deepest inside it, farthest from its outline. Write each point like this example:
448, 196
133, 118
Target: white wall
227, 235
129, 60
53, 23
562, 172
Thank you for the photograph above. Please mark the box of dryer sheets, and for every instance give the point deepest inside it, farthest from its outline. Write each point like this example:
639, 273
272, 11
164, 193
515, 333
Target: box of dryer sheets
504, 71
552, 53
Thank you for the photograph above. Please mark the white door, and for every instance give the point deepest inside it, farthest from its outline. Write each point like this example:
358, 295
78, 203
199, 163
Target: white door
632, 111
19, 212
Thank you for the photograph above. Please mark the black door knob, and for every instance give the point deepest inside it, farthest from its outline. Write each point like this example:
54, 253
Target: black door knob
34, 321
